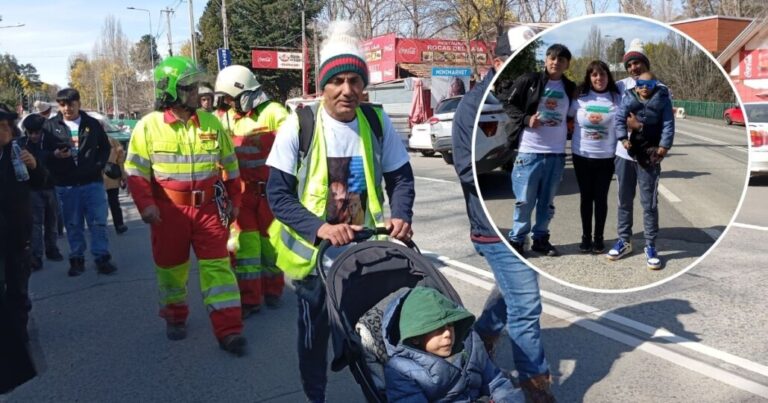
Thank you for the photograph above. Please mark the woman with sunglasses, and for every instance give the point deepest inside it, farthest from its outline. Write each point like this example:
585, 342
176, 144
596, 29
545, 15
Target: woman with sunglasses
593, 147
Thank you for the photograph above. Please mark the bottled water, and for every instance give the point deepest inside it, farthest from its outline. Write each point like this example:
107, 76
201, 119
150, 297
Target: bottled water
19, 168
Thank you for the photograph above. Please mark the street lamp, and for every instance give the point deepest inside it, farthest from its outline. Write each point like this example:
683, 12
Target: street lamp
151, 42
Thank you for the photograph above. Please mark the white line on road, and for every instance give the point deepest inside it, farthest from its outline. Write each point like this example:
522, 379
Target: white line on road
671, 197
750, 226
582, 318
716, 142
433, 179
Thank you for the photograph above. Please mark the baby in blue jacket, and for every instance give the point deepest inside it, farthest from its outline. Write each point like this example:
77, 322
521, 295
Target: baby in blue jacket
437, 356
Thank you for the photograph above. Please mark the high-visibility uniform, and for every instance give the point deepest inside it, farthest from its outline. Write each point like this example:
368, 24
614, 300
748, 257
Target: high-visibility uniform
295, 255
174, 166
253, 135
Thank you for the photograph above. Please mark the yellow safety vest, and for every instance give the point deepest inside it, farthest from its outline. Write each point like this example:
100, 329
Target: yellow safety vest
296, 256
180, 152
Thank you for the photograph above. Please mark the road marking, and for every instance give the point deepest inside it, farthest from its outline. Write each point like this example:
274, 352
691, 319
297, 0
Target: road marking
716, 142
433, 179
750, 226
582, 319
657, 349
671, 197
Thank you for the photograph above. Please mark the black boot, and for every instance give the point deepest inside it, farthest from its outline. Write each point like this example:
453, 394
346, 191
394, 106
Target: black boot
586, 244
176, 331
598, 246
105, 266
543, 246
233, 343
519, 247
76, 266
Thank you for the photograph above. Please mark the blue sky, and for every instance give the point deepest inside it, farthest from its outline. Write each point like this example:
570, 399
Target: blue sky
54, 30
573, 34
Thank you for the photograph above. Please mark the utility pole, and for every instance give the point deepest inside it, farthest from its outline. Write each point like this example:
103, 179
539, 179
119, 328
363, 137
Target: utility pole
168, 11
192, 32
303, 52
224, 23
317, 57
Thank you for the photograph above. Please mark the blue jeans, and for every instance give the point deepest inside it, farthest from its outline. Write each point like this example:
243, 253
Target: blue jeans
81, 203
535, 179
518, 307
631, 176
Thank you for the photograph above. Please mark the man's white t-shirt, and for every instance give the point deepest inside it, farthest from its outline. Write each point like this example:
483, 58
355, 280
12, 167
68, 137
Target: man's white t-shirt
74, 133
593, 131
347, 197
623, 85
551, 135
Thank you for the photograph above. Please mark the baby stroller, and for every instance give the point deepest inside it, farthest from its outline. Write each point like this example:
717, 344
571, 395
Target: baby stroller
361, 279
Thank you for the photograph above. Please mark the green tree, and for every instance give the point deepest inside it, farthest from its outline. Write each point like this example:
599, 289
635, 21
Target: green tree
257, 23
523, 62
140, 56
616, 50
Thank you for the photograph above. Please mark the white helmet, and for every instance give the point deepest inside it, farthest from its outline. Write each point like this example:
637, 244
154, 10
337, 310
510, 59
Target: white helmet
234, 80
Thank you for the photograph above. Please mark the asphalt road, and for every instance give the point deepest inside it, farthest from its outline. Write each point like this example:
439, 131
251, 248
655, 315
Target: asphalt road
698, 338
701, 184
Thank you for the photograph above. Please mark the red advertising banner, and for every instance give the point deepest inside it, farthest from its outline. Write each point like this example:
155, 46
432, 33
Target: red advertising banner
273, 59
754, 64
439, 51
380, 55
264, 59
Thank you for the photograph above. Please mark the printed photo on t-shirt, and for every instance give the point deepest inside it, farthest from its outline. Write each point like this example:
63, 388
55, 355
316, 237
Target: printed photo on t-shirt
597, 128
348, 193
548, 108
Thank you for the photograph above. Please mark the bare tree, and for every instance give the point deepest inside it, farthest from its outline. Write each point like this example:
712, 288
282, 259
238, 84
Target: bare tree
594, 47
736, 8
638, 7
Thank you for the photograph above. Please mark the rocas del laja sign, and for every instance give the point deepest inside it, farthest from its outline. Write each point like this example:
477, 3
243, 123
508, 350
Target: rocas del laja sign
384, 53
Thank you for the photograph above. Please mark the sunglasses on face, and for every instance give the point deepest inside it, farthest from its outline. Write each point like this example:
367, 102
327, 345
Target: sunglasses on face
648, 84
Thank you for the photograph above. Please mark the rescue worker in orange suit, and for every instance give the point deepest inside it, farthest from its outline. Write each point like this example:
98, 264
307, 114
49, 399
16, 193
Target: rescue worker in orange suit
173, 166
254, 119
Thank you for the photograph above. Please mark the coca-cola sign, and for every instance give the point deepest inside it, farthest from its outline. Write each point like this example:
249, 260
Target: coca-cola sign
272, 59
754, 64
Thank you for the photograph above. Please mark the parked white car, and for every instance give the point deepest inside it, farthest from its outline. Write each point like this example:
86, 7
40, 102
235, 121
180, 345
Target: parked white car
757, 124
420, 139
491, 145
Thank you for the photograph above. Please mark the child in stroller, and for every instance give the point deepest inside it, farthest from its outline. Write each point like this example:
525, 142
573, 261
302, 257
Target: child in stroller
434, 355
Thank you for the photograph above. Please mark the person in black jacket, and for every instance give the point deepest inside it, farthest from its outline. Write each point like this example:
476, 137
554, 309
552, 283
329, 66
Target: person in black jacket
45, 205
538, 104
76, 150
15, 252
515, 303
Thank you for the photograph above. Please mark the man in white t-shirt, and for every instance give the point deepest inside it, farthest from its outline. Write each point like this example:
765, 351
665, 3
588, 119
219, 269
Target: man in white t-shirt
538, 107
328, 188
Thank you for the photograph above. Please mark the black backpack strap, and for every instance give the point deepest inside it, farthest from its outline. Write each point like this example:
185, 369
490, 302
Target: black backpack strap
373, 120
306, 129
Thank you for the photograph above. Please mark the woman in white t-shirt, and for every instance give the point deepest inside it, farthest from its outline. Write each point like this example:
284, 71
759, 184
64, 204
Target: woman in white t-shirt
593, 146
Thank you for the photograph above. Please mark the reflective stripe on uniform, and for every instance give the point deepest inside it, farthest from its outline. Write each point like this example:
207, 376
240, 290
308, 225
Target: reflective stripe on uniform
196, 176
247, 150
162, 158
228, 159
252, 163
253, 275
217, 306
136, 172
218, 290
253, 261
139, 161
296, 246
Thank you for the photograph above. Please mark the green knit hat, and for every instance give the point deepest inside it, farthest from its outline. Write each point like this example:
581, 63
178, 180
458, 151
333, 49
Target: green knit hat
426, 309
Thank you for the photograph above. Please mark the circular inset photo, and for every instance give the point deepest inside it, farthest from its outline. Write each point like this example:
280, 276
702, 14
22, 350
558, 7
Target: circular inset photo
619, 171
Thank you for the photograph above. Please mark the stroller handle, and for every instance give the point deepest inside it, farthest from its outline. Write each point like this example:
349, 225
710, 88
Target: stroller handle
360, 236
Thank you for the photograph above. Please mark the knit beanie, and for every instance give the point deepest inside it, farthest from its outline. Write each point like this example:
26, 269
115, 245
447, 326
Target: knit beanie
636, 52
341, 53
426, 309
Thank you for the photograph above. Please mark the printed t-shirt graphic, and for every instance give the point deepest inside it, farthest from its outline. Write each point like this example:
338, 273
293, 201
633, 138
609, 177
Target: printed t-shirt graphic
550, 113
